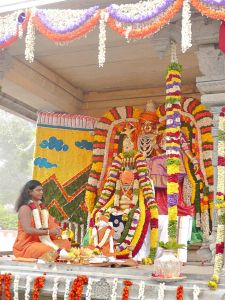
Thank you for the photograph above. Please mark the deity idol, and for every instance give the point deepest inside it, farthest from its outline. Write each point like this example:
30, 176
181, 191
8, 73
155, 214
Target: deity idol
156, 161
127, 197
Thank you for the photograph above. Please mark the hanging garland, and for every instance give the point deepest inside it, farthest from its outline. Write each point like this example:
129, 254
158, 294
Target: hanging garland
220, 203
77, 288
161, 291
212, 10
16, 287
66, 35
155, 26
180, 291
173, 124
38, 284
27, 288
126, 289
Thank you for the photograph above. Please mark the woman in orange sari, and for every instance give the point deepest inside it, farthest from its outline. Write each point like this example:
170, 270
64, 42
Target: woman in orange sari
37, 231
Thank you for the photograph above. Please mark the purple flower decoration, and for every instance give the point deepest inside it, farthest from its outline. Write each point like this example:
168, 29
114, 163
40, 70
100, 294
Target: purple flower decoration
214, 2
21, 18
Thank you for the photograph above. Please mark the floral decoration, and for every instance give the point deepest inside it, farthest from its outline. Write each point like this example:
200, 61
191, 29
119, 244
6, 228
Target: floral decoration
196, 292
161, 291
38, 284
220, 203
77, 288
186, 27
180, 292
67, 288
127, 284
16, 287
114, 289
55, 288
27, 288
141, 291
211, 9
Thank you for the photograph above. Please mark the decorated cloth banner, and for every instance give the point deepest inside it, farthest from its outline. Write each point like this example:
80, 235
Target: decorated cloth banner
135, 20
62, 160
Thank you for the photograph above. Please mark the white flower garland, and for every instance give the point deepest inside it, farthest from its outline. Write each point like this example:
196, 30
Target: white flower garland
16, 287
27, 288
161, 291
173, 49
30, 38
55, 288
45, 239
67, 289
114, 289
196, 292
89, 289
186, 33
141, 292
102, 38
8, 24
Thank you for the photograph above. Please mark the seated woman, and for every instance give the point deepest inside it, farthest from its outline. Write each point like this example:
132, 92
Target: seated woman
37, 231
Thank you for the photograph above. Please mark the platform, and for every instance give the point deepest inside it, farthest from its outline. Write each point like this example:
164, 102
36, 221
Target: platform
196, 275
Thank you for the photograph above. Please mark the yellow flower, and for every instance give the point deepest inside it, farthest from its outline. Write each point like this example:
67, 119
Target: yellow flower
172, 187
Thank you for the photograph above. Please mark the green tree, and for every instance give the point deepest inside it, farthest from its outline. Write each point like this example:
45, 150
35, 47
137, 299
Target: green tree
16, 154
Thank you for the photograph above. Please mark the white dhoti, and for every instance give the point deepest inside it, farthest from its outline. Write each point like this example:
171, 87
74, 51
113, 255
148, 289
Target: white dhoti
145, 247
184, 234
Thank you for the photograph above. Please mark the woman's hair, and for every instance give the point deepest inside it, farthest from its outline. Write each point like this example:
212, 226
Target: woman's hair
24, 196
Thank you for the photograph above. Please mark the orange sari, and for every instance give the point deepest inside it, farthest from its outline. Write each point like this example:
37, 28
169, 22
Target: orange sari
30, 246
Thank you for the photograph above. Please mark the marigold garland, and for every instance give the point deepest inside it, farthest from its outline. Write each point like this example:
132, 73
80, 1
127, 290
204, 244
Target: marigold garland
77, 288
208, 11
89, 25
38, 284
180, 291
127, 284
7, 278
152, 28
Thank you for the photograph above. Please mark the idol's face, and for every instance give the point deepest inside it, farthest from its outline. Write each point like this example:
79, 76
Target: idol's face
149, 128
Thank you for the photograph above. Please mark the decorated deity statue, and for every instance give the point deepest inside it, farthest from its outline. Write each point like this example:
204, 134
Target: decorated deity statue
156, 161
102, 236
127, 197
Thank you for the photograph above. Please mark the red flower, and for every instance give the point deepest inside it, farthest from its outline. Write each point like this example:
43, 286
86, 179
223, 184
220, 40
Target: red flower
32, 205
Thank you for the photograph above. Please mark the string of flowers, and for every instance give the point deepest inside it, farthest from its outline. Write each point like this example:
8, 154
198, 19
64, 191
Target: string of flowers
30, 38
196, 292
180, 292
114, 289
173, 123
220, 203
67, 288
1, 282
55, 288
7, 283
210, 11
141, 291
89, 289
155, 25
138, 12
77, 288
161, 291
186, 33
38, 284
16, 287
102, 38
127, 285
27, 288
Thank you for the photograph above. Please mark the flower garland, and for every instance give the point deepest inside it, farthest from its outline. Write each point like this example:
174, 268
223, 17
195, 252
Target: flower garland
138, 12
180, 292
102, 38
141, 291
55, 288
27, 288
161, 291
186, 33
16, 287
67, 288
7, 278
220, 203
114, 289
209, 11
77, 288
30, 38
89, 288
127, 284
150, 29
38, 284
173, 123
196, 292
67, 36
45, 239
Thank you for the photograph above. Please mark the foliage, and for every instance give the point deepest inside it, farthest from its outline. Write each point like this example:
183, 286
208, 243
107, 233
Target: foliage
171, 245
8, 220
16, 152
